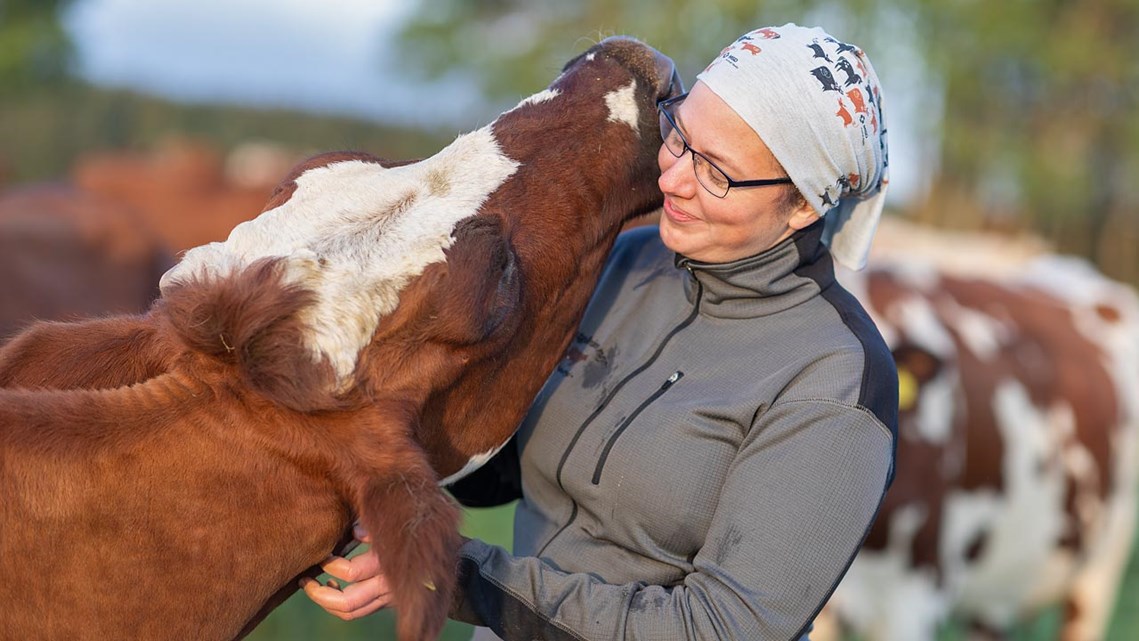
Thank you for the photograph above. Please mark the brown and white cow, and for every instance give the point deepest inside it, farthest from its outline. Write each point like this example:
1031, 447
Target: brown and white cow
1016, 478
374, 330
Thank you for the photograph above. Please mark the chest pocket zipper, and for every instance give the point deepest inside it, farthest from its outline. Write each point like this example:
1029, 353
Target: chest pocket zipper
676, 376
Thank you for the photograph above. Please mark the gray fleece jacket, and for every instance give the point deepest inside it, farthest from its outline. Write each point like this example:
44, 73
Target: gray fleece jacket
703, 464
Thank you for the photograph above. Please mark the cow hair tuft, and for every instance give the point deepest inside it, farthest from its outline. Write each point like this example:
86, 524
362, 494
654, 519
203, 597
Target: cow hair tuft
252, 319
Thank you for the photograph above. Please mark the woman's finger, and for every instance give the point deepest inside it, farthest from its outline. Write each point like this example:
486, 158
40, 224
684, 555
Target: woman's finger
358, 568
356, 600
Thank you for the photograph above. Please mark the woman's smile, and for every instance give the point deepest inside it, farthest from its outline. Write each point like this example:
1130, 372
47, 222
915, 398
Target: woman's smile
675, 213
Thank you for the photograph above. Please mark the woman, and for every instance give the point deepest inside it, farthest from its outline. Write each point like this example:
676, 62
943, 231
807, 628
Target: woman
709, 456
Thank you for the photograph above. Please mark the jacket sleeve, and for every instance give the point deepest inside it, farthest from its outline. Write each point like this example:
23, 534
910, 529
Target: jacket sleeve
797, 504
496, 483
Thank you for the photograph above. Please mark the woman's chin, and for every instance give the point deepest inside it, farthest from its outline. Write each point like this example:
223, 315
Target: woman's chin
675, 237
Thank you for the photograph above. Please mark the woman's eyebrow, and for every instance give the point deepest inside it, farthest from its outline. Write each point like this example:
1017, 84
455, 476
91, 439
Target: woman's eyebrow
721, 162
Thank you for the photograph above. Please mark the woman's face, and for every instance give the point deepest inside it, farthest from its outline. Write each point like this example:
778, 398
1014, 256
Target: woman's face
748, 220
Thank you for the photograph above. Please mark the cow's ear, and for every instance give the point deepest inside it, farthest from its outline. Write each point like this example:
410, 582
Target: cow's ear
252, 320
480, 292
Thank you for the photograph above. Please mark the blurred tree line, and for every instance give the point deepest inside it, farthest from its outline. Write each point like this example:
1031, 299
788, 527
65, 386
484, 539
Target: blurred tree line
35, 48
48, 117
1028, 109
1032, 105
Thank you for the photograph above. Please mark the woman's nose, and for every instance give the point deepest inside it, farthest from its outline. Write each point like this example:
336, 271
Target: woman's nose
676, 175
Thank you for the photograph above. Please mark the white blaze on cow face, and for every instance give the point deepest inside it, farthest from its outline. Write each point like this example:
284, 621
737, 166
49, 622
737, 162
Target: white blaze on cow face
356, 233
622, 105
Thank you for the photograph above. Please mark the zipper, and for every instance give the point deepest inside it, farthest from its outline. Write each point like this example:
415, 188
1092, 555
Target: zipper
676, 376
604, 403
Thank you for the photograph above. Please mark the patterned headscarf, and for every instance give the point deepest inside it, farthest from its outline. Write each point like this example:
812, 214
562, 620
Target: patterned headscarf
816, 103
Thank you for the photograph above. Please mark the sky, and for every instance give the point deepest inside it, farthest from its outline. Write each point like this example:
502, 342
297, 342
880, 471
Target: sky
335, 56
341, 57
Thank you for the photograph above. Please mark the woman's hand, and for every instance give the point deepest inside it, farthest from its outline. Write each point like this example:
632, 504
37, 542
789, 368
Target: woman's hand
366, 592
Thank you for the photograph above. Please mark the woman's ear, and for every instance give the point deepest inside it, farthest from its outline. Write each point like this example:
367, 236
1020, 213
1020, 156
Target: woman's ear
804, 216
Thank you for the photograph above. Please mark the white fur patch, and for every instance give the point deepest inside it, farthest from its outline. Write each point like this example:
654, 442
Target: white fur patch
883, 597
982, 334
477, 461
541, 96
936, 410
1023, 522
356, 233
919, 320
622, 105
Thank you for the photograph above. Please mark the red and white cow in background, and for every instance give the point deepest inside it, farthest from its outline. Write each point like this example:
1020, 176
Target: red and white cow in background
1016, 481
67, 254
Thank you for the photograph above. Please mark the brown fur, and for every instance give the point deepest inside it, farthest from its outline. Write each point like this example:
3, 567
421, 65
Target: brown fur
207, 464
96, 354
187, 438
250, 321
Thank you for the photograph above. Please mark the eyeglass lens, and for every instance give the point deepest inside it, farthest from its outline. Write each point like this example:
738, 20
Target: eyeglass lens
709, 176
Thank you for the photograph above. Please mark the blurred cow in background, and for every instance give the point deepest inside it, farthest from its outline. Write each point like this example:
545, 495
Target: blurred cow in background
187, 192
65, 254
98, 244
1016, 478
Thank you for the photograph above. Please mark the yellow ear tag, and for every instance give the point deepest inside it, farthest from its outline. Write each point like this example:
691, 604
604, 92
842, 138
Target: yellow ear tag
907, 389
430, 585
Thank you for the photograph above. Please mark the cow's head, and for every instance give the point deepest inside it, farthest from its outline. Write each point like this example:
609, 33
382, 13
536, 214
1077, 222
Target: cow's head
464, 243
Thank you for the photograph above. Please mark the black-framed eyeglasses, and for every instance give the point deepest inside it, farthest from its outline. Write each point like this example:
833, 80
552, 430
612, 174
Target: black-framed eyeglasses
711, 177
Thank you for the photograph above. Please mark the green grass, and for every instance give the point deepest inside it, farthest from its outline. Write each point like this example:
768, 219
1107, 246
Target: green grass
1125, 622
301, 620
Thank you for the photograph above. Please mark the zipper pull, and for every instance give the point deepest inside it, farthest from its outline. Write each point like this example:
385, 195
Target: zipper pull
676, 376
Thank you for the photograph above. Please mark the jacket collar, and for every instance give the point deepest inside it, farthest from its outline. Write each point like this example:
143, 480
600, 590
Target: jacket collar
791, 272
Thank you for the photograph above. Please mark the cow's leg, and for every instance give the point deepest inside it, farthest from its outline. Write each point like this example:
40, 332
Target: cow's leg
1094, 592
414, 524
